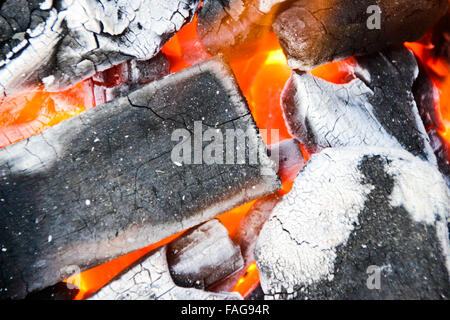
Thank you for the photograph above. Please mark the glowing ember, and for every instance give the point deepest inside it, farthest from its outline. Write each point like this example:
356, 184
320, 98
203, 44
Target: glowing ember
248, 282
438, 71
24, 115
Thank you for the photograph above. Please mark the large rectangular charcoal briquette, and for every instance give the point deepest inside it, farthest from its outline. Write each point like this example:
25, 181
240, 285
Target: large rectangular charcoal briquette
103, 183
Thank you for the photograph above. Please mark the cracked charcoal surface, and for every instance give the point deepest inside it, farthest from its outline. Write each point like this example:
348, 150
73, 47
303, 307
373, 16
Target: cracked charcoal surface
376, 109
351, 208
316, 32
203, 256
150, 279
102, 184
224, 24
69, 41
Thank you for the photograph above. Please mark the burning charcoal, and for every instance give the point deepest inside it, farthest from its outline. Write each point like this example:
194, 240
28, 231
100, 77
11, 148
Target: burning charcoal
247, 235
376, 109
359, 223
316, 32
203, 256
59, 43
127, 174
224, 24
290, 158
129, 76
150, 280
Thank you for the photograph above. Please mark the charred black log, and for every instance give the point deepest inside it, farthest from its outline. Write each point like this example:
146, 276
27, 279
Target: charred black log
377, 108
203, 256
59, 43
316, 32
359, 223
110, 180
150, 279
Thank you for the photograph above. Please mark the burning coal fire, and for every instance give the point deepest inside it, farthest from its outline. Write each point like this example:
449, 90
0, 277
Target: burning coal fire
265, 63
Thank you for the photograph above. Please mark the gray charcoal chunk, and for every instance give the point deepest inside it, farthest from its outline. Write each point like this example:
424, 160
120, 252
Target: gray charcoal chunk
105, 182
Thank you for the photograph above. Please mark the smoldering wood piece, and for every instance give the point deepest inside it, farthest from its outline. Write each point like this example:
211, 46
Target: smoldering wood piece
128, 76
290, 158
354, 212
316, 32
104, 183
223, 25
246, 237
150, 279
377, 108
59, 43
203, 256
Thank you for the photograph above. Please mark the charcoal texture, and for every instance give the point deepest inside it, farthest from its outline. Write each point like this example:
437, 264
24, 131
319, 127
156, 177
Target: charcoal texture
316, 32
104, 183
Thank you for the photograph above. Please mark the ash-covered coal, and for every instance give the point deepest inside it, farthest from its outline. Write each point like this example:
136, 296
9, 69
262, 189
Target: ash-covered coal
377, 108
316, 32
59, 43
359, 223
